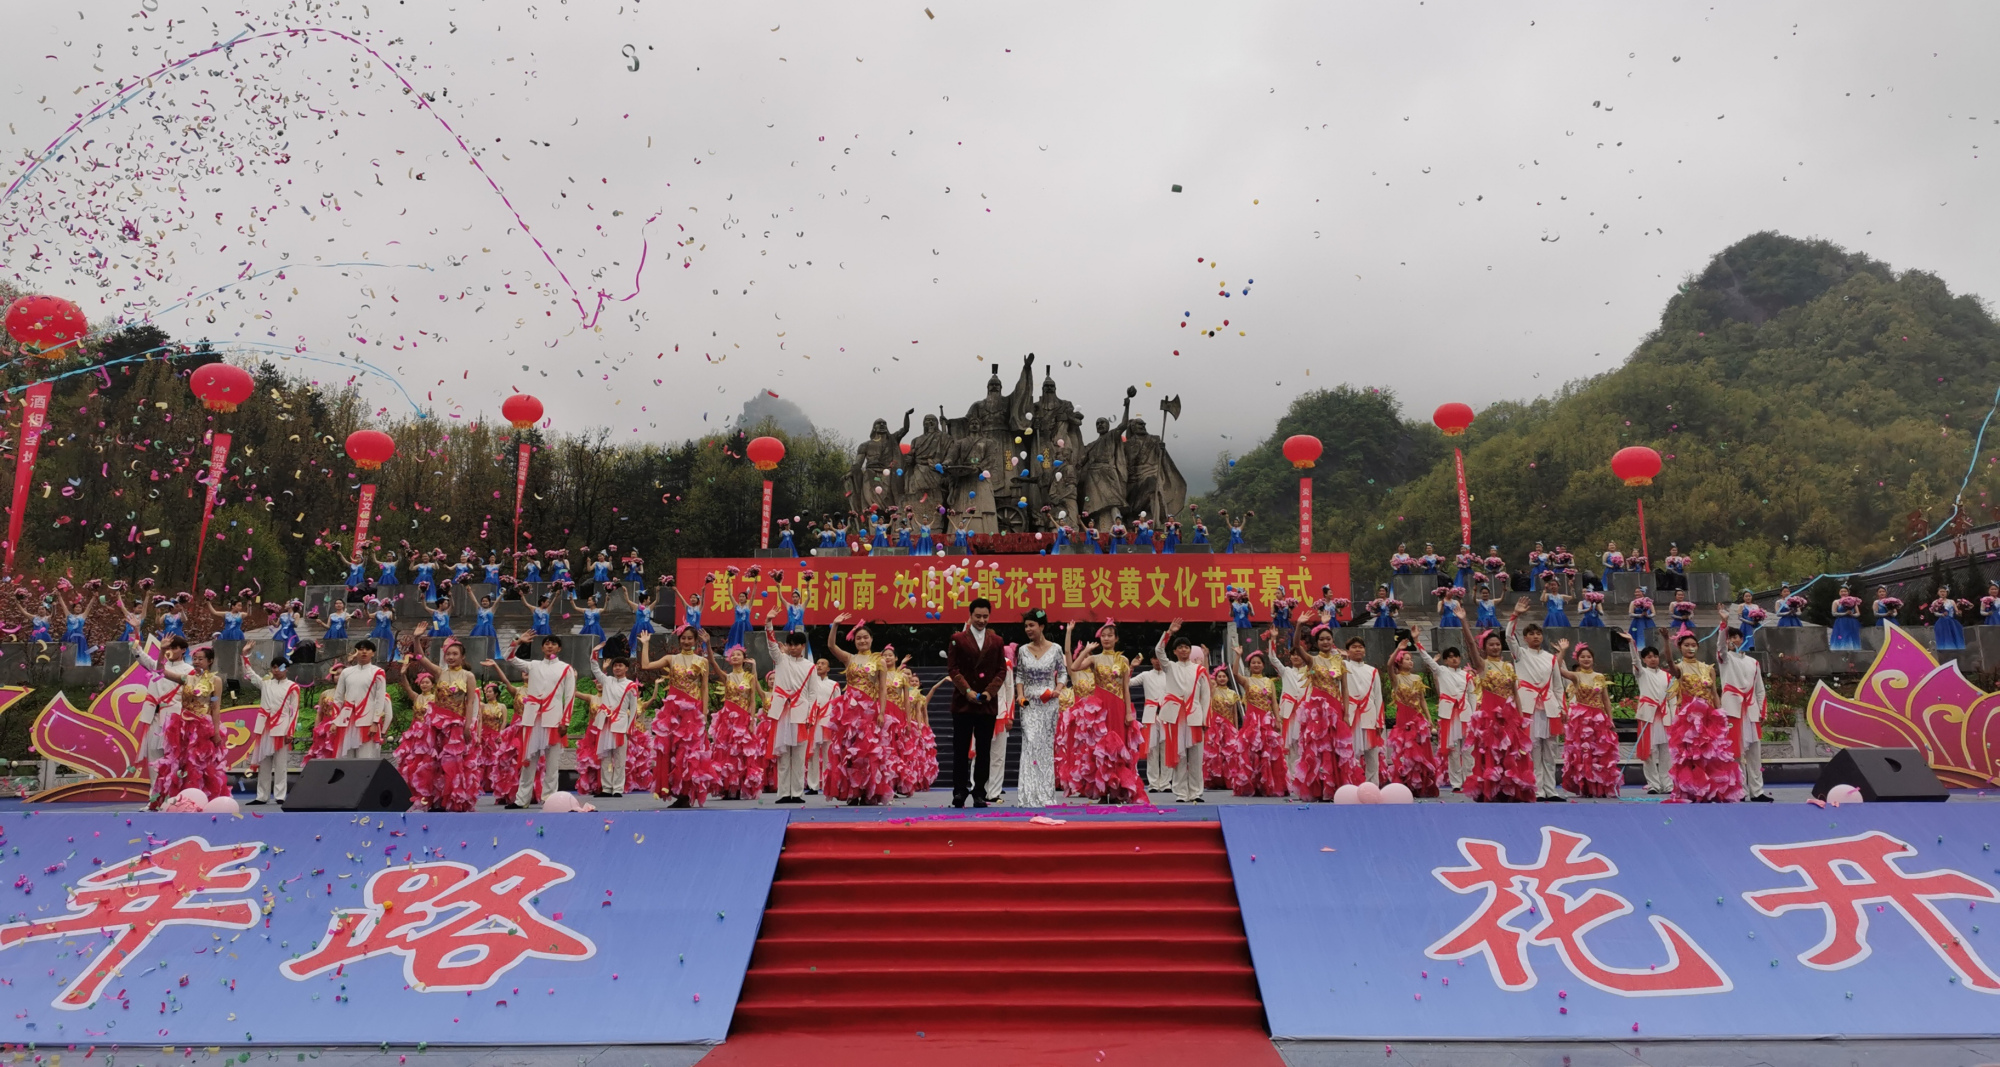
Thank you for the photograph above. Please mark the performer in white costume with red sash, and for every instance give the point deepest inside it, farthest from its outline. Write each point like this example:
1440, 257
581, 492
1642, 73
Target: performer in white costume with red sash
361, 700
546, 699
1742, 682
790, 708
162, 703
1152, 689
1540, 698
1362, 709
1655, 713
617, 716
277, 717
1454, 684
824, 692
1183, 712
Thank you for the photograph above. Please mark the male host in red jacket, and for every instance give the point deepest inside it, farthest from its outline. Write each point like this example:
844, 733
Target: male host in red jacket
978, 668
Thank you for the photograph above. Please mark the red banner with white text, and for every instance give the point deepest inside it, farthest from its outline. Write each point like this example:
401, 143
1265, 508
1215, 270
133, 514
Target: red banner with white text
34, 419
218, 464
916, 589
362, 516
1464, 502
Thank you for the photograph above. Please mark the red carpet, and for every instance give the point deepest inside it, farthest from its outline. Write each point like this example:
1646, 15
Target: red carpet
1088, 943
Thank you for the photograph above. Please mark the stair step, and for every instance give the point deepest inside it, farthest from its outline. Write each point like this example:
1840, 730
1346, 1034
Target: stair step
842, 838
968, 1010
1141, 867
1188, 950
1104, 892
946, 984
1132, 923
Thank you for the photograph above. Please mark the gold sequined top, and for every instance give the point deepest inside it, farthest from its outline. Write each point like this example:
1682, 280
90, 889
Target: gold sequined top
1262, 692
688, 673
1113, 671
740, 688
1408, 690
1498, 679
1081, 684
865, 672
1224, 703
196, 690
908, 691
454, 691
1692, 680
1588, 689
1324, 673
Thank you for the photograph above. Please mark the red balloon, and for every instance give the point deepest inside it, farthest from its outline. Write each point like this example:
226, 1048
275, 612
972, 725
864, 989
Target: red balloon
221, 387
1452, 418
522, 410
369, 449
44, 323
1637, 465
765, 452
906, 448
1302, 449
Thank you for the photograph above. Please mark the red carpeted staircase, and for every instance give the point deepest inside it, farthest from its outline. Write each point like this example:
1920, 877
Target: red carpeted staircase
982, 936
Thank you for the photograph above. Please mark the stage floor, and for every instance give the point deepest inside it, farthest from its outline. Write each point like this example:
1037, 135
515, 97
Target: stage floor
937, 802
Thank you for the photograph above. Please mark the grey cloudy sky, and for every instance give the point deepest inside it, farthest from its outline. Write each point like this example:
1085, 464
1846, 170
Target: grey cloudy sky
861, 207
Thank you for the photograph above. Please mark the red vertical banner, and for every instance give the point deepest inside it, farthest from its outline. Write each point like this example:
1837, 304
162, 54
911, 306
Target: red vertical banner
218, 464
34, 419
764, 533
1305, 515
361, 517
1464, 501
520, 496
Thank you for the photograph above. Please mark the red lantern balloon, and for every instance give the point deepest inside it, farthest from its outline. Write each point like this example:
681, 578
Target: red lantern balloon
1452, 418
1302, 449
221, 387
43, 324
765, 453
369, 449
906, 448
1637, 465
522, 410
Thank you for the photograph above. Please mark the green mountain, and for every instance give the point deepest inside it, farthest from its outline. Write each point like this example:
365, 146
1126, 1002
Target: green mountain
1813, 407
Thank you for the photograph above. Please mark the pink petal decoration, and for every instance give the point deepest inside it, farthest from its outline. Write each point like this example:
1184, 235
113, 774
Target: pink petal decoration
1908, 700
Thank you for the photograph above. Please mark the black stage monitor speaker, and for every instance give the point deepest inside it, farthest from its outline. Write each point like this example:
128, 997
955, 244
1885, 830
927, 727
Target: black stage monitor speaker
349, 785
1881, 774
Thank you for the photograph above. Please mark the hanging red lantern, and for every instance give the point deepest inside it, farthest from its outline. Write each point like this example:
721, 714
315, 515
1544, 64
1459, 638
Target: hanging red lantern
1302, 449
905, 446
765, 453
44, 324
1637, 465
522, 410
221, 387
369, 449
1452, 418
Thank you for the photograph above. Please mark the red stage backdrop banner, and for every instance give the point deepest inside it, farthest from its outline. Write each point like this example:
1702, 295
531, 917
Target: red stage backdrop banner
915, 589
34, 419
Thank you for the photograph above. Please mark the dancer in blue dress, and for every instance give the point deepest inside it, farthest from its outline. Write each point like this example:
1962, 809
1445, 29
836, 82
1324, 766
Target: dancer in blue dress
635, 575
902, 525
383, 632
357, 570
790, 548
1642, 625
1062, 542
1989, 605
1791, 607
559, 566
286, 630
691, 610
482, 620
1752, 618
1171, 543
1552, 602
173, 621
1200, 531
1236, 540
1488, 614
461, 572
73, 628
1886, 607
539, 614
1948, 632
531, 573
440, 618
489, 572
878, 530
336, 623
1239, 614
795, 618
1142, 535
593, 618
388, 566
926, 546
1680, 615
1538, 565
1451, 607
1401, 563
1430, 562
739, 628
1677, 567
1614, 562
41, 628
1468, 565
1593, 610
1846, 635
135, 621
642, 615
961, 533
232, 620
425, 573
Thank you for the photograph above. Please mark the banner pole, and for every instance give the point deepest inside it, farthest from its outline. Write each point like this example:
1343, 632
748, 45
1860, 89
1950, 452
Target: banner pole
218, 462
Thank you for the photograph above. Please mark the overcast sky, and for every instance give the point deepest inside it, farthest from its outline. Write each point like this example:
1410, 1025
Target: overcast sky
862, 208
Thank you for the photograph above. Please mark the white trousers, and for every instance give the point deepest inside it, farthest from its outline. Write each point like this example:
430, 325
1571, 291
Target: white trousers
1187, 776
816, 764
1660, 761
1547, 757
1752, 759
1157, 777
353, 747
271, 775
1371, 763
1457, 755
540, 753
996, 767
611, 770
792, 770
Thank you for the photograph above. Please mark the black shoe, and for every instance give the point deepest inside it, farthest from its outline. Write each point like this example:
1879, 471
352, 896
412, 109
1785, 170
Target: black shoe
1651, 790
957, 802
980, 803
252, 803
1553, 800
812, 792
1763, 798
681, 802
791, 800
511, 806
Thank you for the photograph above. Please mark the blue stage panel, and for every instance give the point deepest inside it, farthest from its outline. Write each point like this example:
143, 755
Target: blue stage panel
1515, 922
313, 929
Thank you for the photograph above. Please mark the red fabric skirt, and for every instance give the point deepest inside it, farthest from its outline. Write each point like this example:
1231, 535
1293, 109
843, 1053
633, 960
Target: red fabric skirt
916, 756
1503, 764
1257, 764
1705, 768
733, 748
1072, 748
325, 743
1413, 755
1218, 752
1590, 753
194, 757
505, 772
435, 757
589, 765
486, 759
1105, 751
639, 761
682, 766
859, 763
1319, 772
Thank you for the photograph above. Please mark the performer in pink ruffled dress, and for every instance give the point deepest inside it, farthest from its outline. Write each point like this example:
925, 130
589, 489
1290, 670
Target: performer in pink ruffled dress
860, 767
